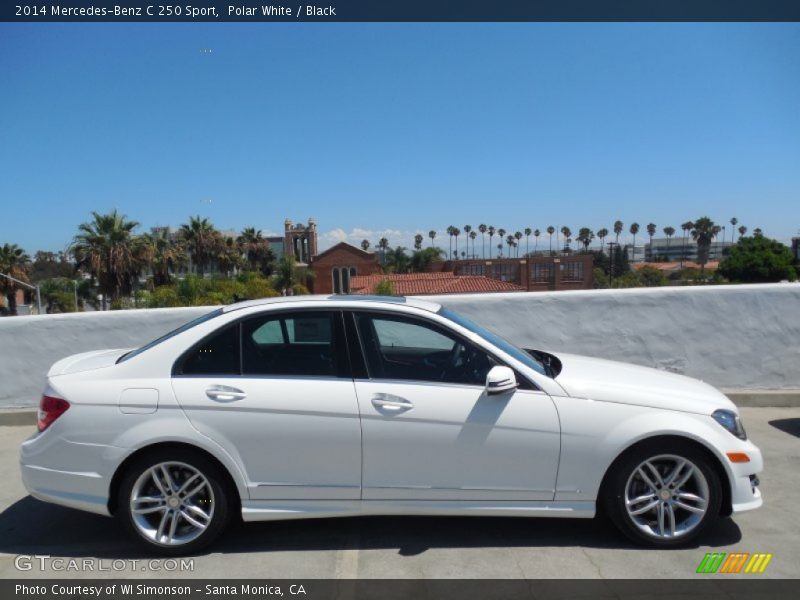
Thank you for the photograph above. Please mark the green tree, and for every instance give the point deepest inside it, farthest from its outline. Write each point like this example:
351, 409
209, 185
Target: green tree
200, 238
703, 233
432, 235
634, 230
585, 237
567, 233
384, 288
288, 275
758, 260
164, 256
491, 231
15, 263
602, 234
482, 228
686, 227
418, 241
467, 230
257, 251
618, 225
651, 277
742, 230
651, 231
365, 245
421, 260
734, 221
397, 261
669, 232
107, 250
536, 234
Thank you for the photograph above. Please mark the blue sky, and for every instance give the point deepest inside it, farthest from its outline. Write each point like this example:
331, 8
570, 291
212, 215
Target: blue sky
389, 129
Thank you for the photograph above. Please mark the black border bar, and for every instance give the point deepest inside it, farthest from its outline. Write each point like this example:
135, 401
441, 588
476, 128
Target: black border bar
293, 11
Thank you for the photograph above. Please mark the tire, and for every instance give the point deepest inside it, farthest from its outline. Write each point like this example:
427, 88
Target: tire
198, 501
668, 517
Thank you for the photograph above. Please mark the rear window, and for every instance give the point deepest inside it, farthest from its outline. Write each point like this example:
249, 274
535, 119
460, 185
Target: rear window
171, 334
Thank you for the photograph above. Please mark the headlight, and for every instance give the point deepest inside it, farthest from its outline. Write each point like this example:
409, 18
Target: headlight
730, 421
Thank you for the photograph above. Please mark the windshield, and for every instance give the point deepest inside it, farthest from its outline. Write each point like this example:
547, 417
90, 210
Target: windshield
173, 333
503, 344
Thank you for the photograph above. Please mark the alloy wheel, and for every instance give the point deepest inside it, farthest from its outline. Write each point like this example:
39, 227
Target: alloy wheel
172, 503
667, 496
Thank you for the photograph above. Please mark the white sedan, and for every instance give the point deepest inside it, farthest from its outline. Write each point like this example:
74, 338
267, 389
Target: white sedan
306, 407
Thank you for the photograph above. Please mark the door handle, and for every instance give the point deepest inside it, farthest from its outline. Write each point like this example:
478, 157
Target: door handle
391, 402
224, 393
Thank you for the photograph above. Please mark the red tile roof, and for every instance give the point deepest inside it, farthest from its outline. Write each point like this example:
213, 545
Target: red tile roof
416, 284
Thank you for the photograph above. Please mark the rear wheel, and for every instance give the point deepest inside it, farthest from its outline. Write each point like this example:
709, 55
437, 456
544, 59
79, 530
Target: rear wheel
175, 501
663, 497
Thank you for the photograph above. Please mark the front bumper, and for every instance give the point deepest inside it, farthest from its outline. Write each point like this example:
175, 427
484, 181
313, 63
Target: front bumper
745, 494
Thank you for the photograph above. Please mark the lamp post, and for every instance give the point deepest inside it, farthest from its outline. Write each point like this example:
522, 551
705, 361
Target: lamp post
29, 286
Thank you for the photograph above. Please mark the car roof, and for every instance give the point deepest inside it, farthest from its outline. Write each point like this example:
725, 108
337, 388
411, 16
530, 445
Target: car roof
339, 300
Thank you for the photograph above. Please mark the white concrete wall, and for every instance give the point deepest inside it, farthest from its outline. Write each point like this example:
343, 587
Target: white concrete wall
734, 337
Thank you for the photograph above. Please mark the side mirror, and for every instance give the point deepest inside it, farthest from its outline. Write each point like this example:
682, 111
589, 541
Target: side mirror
499, 380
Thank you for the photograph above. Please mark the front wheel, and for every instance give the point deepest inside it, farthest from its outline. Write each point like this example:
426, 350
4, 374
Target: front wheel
663, 497
174, 501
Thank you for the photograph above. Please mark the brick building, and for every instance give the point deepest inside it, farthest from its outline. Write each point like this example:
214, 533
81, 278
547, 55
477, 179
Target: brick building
532, 274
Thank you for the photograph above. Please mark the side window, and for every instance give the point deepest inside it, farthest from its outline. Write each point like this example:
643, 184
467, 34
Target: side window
400, 348
218, 354
291, 344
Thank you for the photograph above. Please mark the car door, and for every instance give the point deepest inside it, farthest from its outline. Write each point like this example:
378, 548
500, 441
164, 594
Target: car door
431, 432
276, 391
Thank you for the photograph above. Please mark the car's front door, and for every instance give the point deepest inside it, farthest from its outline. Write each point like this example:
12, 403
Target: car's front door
430, 430
276, 391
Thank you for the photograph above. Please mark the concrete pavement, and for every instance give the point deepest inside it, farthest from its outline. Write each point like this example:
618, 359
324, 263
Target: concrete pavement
412, 547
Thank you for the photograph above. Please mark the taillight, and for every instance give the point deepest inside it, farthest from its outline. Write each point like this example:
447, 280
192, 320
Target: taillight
49, 410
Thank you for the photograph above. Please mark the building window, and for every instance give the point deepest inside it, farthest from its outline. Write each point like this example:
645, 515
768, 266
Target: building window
505, 271
542, 272
471, 269
572, 271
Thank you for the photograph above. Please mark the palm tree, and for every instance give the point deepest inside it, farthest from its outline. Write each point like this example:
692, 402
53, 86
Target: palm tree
491, 231
456, 233
528, 232
432, 235
467, 229
450, 230
164, 255
288, 274
757, 232
418, 241
585, 237
106, 249
602, 234
501, 233
200, 237
634, 230
383, 244
551, 230
686, 227
704, 232
482, 229
499, 250
365, 245
618, 226
651, 231
669, 232
734, 222
256, 249
536, 234
567, 233
227, 255
742, 230
510, 242
15, 263
517, 237
472, 235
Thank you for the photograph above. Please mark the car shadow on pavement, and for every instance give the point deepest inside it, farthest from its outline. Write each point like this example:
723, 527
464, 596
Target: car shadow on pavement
33, 527
790, 426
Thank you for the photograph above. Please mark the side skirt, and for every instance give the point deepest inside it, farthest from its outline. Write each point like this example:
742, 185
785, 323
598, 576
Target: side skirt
276, 510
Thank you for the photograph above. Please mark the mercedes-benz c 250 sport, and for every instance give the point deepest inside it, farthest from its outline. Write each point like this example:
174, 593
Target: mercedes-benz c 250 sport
290, 408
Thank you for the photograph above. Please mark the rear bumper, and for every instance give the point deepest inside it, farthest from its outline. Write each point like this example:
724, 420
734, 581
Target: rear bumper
68, 473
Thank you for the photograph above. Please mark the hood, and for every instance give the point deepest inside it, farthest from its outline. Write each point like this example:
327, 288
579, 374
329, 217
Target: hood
610, 381
86, 361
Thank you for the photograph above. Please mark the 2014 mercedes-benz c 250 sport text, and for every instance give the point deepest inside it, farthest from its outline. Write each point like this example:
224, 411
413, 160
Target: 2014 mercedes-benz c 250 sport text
303, 407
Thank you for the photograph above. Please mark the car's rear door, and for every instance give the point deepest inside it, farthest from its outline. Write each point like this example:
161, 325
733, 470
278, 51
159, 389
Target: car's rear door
277, 392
